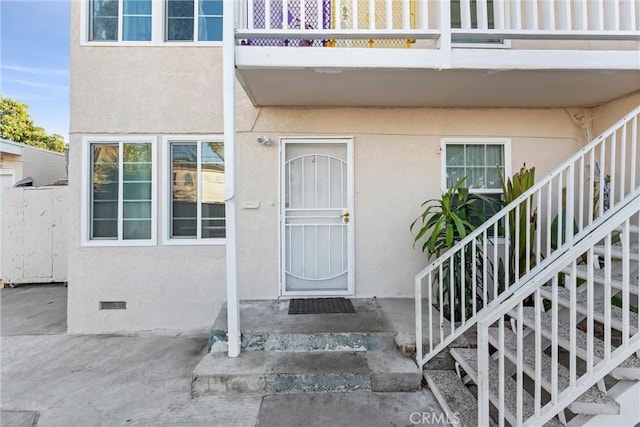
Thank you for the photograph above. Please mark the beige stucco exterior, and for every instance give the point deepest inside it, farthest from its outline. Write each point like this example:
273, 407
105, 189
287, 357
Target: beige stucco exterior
169, 90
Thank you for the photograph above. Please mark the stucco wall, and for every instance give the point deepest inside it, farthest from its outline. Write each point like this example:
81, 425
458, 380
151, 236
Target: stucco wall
34, 234
169, 90
603, 116
397, 167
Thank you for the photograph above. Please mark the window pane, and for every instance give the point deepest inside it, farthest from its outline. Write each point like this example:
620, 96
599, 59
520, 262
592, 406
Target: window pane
475, 177
455, 155
137, 191
210, 20
137, 188
180, 20
212, 159
454, 174
210, 7
104, 20
184, 158
474, 155
495, 155
134, 229
136, 172
104, 195
137, 152
210, 29
185, 228
105, 229
213, 228
138, 210
137, 7
136, 20
136, 28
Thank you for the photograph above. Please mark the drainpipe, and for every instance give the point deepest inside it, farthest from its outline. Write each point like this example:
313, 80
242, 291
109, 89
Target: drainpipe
229, 105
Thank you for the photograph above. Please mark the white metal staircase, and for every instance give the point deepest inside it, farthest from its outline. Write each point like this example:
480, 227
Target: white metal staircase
552, 345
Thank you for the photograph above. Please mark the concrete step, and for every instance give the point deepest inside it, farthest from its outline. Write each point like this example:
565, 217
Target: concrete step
278, 372
564, 299
468, 360
267, 326
318, 341
616, 251
591, 402
453, 396
598, 277
627, 370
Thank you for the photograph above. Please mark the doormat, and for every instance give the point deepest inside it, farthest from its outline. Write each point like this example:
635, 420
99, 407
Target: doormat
320, 306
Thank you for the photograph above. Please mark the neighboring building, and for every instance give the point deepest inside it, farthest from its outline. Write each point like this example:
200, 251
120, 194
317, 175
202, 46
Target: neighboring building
367, 121
18, 161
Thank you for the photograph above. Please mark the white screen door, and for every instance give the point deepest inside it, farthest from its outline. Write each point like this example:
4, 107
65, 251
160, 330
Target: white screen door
317, 216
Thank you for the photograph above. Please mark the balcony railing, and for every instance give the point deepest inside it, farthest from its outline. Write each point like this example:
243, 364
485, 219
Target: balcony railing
398, 23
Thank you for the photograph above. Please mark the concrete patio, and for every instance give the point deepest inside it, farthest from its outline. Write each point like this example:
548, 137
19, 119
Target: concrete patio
50, 378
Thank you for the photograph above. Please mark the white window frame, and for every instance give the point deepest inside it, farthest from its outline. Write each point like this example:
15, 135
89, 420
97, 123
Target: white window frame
85, 203
158, 28
505, 142
196, 27
166, 197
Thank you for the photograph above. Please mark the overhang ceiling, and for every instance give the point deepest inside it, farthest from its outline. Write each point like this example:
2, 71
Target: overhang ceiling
376, 87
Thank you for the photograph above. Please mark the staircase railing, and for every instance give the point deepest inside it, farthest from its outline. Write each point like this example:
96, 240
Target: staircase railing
597, 178
535, 308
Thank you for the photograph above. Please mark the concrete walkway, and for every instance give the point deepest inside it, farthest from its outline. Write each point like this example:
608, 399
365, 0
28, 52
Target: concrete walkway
49, 378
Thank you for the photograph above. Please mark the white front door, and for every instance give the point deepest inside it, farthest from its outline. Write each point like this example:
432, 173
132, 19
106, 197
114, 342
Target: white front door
316, 216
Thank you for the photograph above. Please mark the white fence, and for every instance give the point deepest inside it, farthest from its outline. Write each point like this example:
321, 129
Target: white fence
34, 234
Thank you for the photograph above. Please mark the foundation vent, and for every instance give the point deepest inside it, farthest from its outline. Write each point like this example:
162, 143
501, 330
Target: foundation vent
113, 305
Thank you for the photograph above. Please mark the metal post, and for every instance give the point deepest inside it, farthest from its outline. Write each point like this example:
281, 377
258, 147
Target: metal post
229, 103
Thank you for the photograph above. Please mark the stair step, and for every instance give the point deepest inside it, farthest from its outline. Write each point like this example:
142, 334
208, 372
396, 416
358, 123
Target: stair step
453, 396
468, 360
321, 341
564, 299
627, 370
616, 250
592, 402
598, 277
278, 372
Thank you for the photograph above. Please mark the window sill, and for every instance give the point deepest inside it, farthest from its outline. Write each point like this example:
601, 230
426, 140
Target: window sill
194, 242
118, 243
96, 43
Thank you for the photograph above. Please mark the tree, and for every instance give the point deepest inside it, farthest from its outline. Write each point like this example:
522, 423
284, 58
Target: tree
17, 125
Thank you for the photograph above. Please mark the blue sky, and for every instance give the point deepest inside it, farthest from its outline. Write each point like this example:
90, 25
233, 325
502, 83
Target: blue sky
34, 59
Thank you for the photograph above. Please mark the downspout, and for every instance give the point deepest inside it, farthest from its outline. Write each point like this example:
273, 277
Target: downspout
229, 121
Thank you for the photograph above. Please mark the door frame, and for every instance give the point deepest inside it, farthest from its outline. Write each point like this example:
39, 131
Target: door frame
349, 143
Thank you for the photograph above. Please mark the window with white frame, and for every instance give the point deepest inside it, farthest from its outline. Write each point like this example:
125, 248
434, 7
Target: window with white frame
478, 160
196, 209
121, 191
189, 20
148, 20
120, 20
